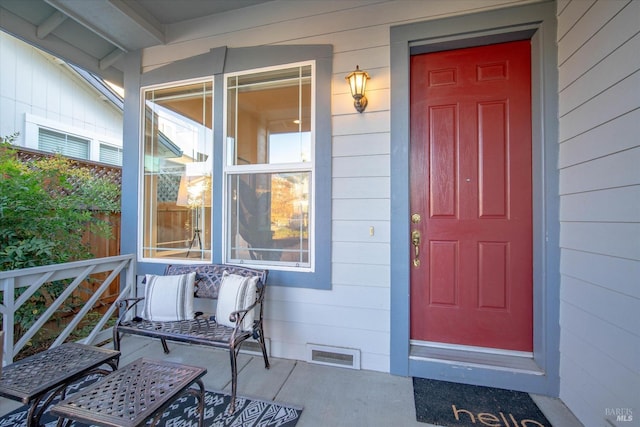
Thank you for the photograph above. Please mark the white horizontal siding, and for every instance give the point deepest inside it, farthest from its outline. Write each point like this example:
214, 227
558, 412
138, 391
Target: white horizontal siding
604, 391
359, 166
603, 75
620, 135
365, 275
604, 107
613, 239
341, 295
331, 316
361, 209
598, 43
571, 12
597, 301
37, 90
609, 370
361, 187
613, 273
359, 253
599, 104
604, 205
360, 145
373, 122
590, 14
377, 62
610, 171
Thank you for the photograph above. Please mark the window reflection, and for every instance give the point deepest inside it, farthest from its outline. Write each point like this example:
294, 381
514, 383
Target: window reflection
178, 143
269, 218
269, 120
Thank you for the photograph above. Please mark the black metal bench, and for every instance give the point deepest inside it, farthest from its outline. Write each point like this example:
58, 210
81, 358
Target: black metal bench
203, 330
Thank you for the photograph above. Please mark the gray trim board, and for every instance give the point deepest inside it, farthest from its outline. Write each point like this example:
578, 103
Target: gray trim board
537, 22
196, 67
130, 154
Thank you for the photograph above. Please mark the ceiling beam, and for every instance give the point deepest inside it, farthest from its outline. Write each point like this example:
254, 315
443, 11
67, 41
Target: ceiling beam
68, 9
141, 18
51, 23
110, 59
124, 24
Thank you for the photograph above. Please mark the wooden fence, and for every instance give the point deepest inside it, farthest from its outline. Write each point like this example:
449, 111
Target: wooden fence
103, 248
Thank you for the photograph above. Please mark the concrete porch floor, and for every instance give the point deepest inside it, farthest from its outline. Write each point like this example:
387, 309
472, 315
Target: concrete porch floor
329, 396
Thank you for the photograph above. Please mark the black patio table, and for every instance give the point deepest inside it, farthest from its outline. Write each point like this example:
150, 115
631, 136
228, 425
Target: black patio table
36, 380
133, 394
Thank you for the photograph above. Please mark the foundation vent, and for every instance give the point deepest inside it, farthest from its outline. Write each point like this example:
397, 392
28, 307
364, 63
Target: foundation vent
333, 356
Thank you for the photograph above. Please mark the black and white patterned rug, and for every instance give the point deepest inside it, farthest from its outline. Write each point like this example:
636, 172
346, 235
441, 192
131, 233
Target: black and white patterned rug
182, 413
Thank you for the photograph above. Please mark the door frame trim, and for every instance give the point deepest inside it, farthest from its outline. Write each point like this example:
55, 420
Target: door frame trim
538, 23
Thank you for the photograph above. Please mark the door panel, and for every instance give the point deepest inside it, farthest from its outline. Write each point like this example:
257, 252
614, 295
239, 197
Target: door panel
471, 279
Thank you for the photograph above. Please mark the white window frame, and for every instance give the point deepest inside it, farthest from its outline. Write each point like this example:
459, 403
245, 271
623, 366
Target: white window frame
140, 249
229, 170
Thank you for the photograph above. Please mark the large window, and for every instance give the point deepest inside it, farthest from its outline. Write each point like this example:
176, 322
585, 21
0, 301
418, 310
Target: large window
241, 175
177, 171
269, 167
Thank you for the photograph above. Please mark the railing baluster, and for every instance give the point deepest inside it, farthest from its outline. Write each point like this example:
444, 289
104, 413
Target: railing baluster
8, 318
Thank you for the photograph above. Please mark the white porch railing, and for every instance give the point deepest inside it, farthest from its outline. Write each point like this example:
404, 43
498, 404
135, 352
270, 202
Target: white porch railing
32, 279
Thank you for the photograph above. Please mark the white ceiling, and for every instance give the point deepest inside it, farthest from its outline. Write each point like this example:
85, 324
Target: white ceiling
94, 34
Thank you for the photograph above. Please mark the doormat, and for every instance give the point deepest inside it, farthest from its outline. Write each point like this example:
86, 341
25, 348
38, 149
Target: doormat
450, 404
249, 412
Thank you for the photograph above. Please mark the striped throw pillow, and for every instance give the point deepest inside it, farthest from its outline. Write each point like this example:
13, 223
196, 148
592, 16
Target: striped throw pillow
169, 298
236, 293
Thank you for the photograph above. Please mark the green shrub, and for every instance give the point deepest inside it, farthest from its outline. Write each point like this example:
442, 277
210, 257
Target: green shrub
46, 206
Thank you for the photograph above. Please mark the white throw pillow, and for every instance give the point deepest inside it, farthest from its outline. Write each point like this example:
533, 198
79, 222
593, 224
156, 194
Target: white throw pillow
169, 298
236, 293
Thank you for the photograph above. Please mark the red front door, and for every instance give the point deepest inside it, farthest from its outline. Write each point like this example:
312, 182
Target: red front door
471, 273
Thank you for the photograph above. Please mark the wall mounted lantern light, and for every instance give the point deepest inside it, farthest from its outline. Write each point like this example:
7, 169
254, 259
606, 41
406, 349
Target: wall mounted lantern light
357, 83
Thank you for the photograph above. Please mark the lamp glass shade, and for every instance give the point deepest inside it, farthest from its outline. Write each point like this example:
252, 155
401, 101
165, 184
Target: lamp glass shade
357, 82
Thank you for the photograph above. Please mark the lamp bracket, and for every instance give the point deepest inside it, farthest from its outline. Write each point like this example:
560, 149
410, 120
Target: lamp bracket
360, 103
